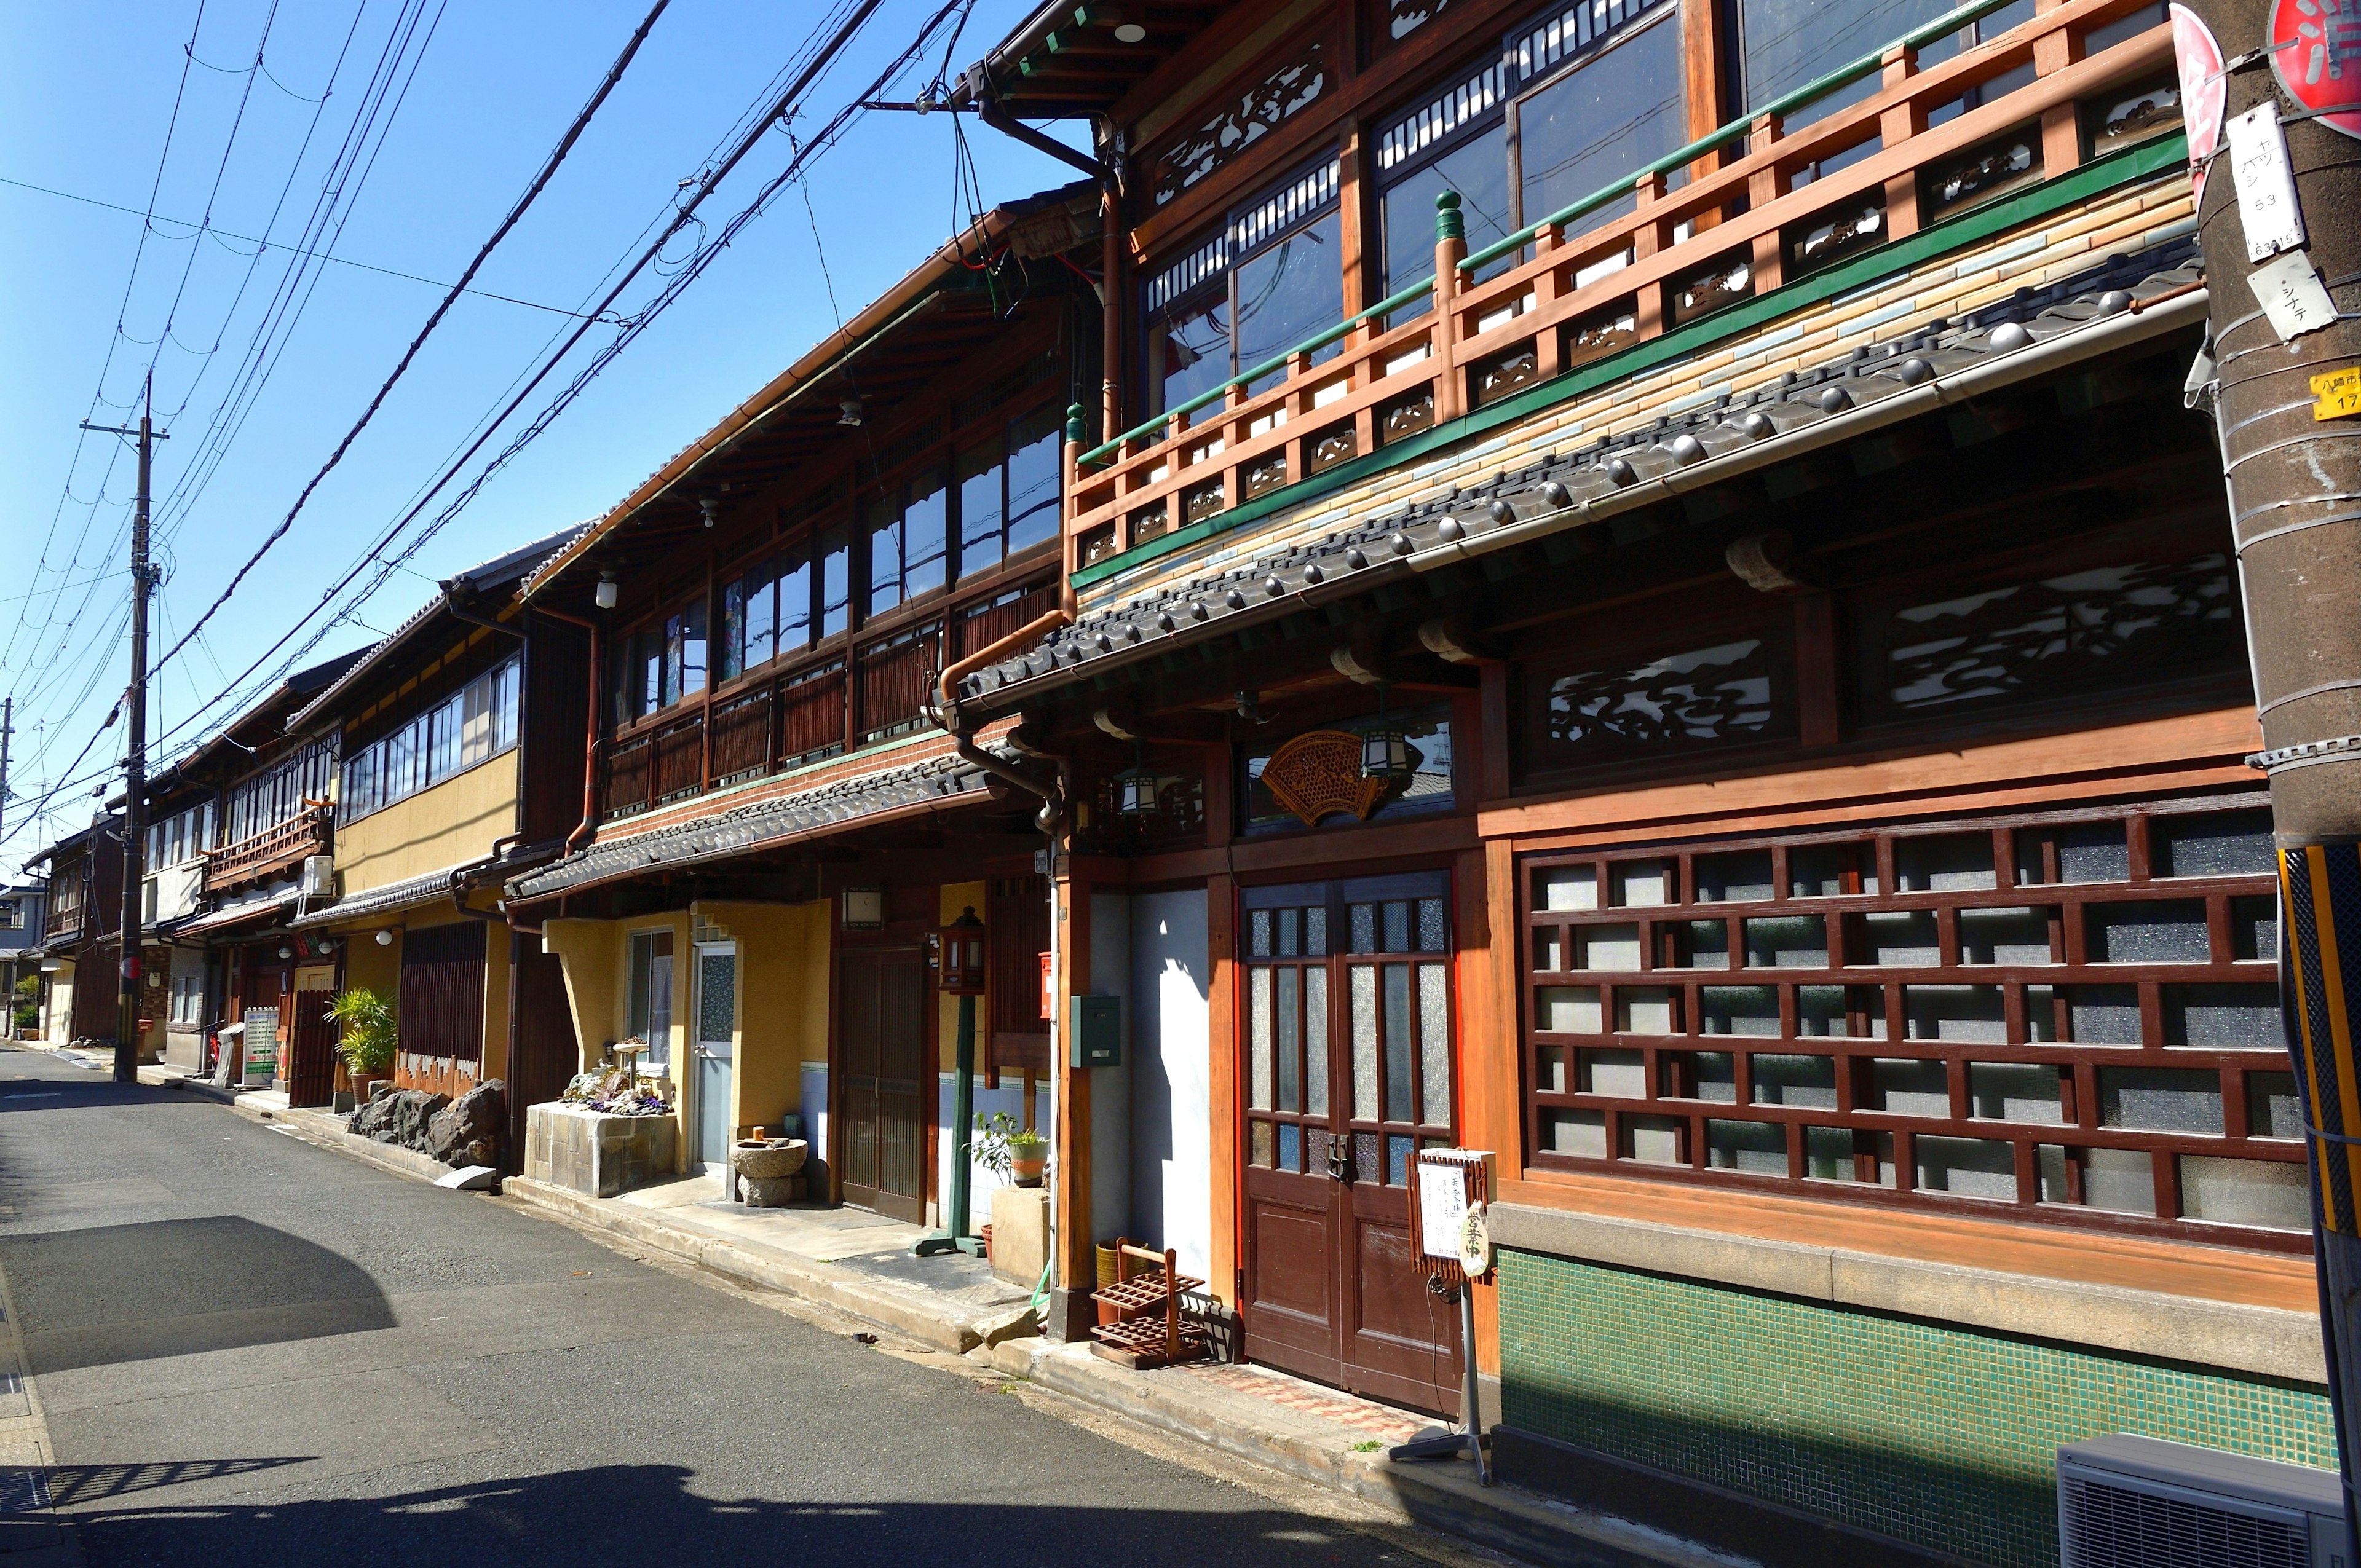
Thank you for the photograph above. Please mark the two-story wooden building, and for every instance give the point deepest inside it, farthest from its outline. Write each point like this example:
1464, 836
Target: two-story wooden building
780, 826
1646, 600
460, 743
82, 909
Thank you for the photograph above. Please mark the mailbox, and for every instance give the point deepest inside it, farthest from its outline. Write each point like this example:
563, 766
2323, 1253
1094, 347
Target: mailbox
1096, 1037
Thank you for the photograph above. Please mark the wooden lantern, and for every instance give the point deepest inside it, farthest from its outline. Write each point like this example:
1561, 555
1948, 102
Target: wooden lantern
959, 956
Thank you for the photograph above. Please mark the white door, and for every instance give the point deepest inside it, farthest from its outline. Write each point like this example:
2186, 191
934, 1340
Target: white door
715, 1048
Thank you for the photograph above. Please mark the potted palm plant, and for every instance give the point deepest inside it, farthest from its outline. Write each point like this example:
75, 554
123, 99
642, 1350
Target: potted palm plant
367, 1043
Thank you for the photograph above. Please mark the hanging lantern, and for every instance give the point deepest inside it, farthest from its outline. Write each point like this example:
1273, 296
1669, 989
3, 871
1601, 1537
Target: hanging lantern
1135, 787
959, 956
1385, 750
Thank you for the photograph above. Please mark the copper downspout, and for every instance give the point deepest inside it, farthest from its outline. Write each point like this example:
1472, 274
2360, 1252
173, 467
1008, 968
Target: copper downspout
592, 739
1110, 312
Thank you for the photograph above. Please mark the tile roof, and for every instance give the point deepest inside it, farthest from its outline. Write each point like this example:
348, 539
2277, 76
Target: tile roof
1604, 476
383, 900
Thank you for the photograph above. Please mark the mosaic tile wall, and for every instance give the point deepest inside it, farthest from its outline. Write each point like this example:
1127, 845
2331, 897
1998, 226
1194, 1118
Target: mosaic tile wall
1939, 1436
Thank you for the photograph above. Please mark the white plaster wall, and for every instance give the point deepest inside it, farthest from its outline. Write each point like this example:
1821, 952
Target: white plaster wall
1111, 1086
813, 1107
1009, 1097
1171, 1108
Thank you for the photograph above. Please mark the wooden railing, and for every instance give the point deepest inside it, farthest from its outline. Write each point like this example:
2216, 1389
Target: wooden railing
894, 676
1730, 231
680, 760
62, 914
281, 847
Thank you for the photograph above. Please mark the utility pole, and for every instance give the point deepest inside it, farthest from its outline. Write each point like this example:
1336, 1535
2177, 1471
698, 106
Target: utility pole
8, 727
2271, 96
134, 763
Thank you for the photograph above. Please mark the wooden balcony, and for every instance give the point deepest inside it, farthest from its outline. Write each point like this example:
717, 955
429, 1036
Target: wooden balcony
1738, 226
275, 850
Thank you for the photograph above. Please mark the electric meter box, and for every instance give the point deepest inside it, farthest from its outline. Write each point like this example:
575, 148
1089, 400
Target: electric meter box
1096, 1037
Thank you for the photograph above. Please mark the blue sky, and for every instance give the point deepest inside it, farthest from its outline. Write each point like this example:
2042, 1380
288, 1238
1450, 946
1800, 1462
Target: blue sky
88, 96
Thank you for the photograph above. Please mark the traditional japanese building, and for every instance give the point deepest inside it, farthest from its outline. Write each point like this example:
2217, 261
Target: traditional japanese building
81, 911
1645, 600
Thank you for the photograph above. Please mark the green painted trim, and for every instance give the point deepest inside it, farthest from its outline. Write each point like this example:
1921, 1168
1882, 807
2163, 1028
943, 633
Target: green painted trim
2125, 168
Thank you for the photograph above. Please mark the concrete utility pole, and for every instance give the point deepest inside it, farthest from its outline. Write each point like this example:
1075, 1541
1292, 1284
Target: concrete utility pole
134, 764
2271, 95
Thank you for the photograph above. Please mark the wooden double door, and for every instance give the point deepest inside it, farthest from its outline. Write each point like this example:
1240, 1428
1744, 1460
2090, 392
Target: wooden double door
1346, 1061
882, 996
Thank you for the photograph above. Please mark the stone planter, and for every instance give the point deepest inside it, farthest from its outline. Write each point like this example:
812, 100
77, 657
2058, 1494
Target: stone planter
769, 1161
770, 1191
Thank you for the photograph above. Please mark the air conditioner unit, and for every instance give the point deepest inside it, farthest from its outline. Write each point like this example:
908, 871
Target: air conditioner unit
2138, 1502
319, 876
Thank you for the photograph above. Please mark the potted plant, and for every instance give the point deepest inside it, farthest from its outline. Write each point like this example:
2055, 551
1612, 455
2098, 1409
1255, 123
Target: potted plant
367, 1043
1015, 1153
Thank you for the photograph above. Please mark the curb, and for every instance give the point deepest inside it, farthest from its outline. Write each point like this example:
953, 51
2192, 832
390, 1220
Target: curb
841, 1288
326, 1130
1443, 1496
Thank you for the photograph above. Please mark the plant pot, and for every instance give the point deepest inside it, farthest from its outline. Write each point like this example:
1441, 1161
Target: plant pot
986, 1233
1027, 1172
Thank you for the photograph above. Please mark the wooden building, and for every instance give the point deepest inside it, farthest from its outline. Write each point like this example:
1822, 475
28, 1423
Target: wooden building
81, 911
1646, 600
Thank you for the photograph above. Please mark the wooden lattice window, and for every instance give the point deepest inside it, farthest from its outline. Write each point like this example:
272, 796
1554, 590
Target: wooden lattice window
2071, 1015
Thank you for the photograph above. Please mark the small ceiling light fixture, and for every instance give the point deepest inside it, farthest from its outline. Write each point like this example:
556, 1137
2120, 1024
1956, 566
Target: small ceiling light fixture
1135, 787
1130, 33
605, 596
1385, 750
286, 952
849, 412
709, 505
385, 938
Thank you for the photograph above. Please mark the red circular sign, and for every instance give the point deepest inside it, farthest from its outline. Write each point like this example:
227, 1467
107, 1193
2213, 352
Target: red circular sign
2316, 53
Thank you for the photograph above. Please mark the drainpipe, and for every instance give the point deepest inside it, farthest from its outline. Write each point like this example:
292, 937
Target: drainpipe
591, 738
2286, 397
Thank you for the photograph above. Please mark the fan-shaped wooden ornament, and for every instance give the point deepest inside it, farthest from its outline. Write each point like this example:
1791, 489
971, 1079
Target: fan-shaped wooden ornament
1318, 773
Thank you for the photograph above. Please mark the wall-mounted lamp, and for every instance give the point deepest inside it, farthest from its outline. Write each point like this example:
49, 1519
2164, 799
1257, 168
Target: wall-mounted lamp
286, 952
1135, 787
385, 938
605, 596
1385, 750
710, 506
849, 412
864, 908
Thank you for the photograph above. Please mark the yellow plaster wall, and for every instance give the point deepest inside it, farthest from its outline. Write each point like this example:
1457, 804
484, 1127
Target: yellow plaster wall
590, 953
496, 1001
783, 1001
368, 966
956, 897
457, 820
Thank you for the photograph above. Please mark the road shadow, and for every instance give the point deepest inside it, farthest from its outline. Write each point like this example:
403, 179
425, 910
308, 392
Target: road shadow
647, 1514
115, 1293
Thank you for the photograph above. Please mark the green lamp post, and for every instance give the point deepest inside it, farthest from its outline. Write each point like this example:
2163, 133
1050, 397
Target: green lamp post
959, 971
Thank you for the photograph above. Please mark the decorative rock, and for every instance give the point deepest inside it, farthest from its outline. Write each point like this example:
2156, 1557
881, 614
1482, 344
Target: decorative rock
468, 1132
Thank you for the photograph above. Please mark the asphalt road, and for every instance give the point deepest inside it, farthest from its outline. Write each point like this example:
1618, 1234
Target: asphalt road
253, 1350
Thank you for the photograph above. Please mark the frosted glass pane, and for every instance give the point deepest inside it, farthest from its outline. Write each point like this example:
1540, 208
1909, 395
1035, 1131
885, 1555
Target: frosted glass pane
1714, 1076
1259, 1074
1290, 933
1567, 887
1899, 937
2215, 843
2223, 1017
2013, 1091
1258, 925
1757, 1147
1737, 1010
2160, 1099
1828, 1153
1581, 1132
2161, 933
1400, 1105
1362, 982
1262, 1144
2004, 936
1607, 947
2041, 1014
1398, 1152
1640, 884
1808, 1082
1902, 1086
1315, 932
1966, 1013
1706, 943
1435, 1043
716, 997
2104, 1014
1315, 1041
1290, 1042
1644, 1010
1655, 1139
1624, 1074
2119, 1179
1787, 941
2050, 1159
2272, 1108
2255, 928
1831, 871
2267, 1193
1397, 926
1568, 1009
1739, 877
1824, 1012
1290, 1146
1545, 949
1967, 1167
1960, 863
1364, 918
1430, 927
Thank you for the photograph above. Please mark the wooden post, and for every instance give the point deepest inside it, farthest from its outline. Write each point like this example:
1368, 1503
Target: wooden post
1450, 250
1077, 1247
1222, 1083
